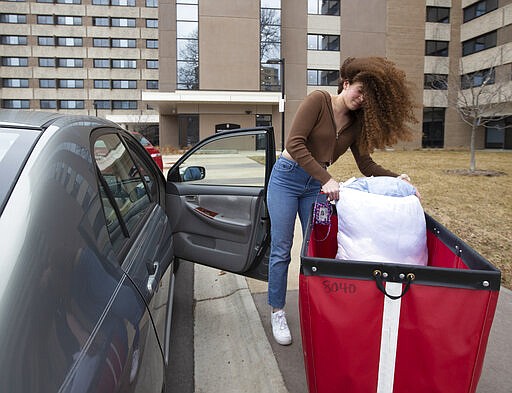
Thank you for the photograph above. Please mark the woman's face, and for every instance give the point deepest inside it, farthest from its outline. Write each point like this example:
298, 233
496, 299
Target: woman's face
353, 95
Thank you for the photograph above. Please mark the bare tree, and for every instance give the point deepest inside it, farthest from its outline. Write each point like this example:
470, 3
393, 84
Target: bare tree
270, 33
188, 65
482, 98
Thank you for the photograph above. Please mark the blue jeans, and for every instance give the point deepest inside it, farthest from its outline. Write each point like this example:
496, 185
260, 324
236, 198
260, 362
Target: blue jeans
290, 190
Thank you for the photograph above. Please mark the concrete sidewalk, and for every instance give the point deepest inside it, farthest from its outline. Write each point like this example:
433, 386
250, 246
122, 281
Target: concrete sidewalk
231, 313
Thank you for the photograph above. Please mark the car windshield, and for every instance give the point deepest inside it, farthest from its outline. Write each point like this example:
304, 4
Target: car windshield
15, 145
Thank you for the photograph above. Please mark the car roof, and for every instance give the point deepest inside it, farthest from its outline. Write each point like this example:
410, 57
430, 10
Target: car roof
41, 120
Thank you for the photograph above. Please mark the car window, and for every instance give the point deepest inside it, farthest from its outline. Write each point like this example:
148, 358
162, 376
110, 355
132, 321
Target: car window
124, 193
151, 182
144, 142
233, 161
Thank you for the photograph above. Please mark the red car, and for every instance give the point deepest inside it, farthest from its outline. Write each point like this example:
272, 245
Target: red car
152, 150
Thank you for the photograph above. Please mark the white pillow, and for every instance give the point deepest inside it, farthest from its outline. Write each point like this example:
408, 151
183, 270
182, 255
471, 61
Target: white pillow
381, 228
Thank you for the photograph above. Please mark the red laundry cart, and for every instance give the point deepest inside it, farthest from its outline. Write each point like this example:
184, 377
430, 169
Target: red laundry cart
394, 328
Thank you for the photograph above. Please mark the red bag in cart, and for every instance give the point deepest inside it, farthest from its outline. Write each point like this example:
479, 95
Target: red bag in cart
396, 328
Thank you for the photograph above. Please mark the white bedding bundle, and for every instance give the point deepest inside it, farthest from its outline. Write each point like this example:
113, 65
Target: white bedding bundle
380, 219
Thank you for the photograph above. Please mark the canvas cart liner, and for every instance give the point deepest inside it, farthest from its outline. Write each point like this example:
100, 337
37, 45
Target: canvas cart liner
391, 327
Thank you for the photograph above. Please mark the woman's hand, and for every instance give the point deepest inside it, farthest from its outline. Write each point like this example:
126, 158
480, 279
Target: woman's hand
407, 179
332, 190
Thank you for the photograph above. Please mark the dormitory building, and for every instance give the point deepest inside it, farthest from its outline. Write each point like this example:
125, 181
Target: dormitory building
180, 70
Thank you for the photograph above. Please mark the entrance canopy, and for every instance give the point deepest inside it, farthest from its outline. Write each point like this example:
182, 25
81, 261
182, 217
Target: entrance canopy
167, 103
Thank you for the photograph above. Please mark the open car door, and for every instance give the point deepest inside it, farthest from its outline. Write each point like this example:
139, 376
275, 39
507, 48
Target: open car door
216, 201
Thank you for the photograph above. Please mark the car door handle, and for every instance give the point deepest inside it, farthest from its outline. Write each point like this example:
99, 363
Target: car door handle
154, 277
192, 199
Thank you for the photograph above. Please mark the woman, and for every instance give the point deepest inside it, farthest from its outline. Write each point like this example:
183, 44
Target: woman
372, 109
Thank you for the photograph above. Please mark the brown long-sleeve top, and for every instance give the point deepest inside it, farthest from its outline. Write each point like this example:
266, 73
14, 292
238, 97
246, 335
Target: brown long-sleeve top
313, 140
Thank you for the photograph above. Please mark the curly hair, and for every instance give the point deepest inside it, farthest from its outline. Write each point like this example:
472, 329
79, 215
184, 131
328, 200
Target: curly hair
388, 108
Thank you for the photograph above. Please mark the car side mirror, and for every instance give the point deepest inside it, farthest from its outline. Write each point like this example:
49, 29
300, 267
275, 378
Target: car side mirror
192, 173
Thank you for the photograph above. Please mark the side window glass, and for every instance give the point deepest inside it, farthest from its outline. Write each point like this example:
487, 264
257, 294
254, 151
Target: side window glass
149, 178
115, 230
124, 194
234, 161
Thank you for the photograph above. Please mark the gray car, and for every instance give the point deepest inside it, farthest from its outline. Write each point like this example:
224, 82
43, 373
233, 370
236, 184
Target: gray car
91, 234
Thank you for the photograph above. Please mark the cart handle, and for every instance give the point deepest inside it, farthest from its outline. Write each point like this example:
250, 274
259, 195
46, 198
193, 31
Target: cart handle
377, 275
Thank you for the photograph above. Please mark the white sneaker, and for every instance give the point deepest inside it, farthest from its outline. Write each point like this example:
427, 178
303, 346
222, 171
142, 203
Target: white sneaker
280, 328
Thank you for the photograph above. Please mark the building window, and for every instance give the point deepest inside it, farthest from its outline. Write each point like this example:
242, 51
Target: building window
433, 127
152, 23
59, 20
187, 45
323, 42
126, 104
188, 130
480, 43
13, 40
101, 63
101, 42
152, 64
152, 3
15, 61
498, 134
477, 78
101, 21
152, 44
323, 77
478, 9
124, 43
324, 7
47, 83
16, 104
69, 20
60, 1
438, 14
263, 120
102, 104
270, 45
123, 63
123, 3
71, 104
435, 82
14, 82
70, 63
48, 104
102, 84
122, 22
120, 3
69, 41
71, 83
46, 41
152, 84
124, 84
436, 48
46, 62
45, 19
13, 18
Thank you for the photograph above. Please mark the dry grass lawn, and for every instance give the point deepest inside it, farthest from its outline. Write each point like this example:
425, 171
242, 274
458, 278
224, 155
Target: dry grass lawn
478, 209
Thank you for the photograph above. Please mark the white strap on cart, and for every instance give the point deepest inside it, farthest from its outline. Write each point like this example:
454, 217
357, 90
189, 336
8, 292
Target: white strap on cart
389, 338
